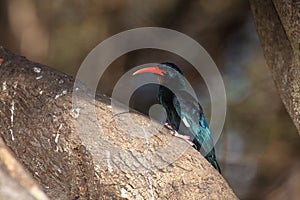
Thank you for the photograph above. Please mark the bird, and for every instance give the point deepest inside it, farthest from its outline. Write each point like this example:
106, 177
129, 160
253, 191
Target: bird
185, 117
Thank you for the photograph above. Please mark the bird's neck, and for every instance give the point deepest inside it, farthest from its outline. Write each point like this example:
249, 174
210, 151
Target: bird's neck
166, 94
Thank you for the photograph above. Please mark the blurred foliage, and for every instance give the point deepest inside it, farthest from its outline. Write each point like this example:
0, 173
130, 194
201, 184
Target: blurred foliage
259, 148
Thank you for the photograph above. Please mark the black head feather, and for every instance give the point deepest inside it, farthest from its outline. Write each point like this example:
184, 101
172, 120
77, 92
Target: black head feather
173, 66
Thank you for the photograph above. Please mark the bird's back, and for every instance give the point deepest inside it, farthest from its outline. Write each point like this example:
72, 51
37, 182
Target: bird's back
185, 115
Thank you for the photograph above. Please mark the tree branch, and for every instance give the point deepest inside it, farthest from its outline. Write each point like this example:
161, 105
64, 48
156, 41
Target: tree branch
38, 123
278, 26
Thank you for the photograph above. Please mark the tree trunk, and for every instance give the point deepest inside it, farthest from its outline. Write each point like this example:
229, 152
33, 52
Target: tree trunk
278, 26
38, 124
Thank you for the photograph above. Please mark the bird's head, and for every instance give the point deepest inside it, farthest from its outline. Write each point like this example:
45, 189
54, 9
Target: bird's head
168, 73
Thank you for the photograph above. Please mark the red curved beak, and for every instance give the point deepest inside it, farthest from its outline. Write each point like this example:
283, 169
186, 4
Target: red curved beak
154, 70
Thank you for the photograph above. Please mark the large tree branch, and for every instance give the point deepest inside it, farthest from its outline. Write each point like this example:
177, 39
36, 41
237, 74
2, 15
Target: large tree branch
15, 183
278, 26
37, 122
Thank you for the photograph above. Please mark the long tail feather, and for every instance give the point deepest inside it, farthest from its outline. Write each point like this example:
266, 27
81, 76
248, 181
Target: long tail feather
211, 158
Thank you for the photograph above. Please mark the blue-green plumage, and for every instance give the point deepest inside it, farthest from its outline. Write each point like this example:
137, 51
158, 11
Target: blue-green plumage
184, 113
192, 119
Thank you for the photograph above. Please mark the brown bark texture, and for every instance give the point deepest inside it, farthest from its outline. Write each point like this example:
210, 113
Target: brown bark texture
278, 26
15, 182
38, 126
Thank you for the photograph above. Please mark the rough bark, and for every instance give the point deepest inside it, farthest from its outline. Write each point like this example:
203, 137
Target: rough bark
37, 124
278, 26
15, 183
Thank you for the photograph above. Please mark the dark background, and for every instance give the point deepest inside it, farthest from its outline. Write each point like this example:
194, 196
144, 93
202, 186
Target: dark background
259, 148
